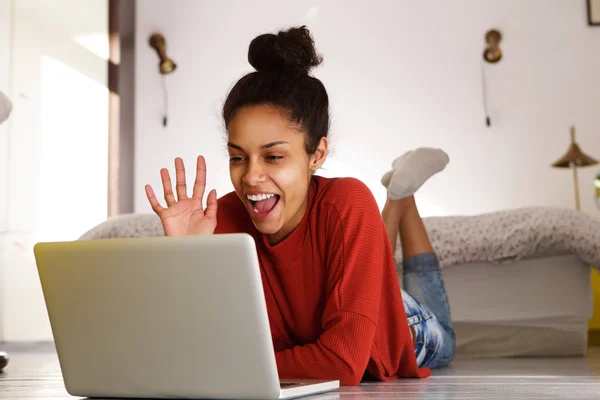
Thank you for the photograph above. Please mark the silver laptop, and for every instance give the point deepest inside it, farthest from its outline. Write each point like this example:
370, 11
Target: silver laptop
163, 317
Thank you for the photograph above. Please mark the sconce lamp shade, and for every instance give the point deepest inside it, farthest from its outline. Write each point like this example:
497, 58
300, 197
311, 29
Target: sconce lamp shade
167, 66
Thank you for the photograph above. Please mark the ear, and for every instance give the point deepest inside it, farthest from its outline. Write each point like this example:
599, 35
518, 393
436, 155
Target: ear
318, 159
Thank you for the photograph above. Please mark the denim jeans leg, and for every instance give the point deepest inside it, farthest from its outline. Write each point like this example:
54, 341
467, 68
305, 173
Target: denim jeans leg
423, 280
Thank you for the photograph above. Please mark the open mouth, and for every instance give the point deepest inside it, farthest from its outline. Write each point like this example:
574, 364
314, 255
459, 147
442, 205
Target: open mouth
263, 204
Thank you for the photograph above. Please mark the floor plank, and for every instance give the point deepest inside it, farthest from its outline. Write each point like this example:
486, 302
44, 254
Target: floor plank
34, 374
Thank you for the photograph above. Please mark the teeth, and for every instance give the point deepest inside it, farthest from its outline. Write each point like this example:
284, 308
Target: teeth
259, 197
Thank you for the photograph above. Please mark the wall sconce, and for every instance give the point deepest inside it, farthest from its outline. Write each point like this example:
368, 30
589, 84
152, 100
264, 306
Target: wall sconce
166, 65
492, 52
491, 55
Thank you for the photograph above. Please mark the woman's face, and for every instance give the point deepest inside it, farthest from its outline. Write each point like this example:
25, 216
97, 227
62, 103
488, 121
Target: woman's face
270, 169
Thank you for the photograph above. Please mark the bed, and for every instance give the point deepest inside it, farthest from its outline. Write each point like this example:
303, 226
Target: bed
518, 281
532, 307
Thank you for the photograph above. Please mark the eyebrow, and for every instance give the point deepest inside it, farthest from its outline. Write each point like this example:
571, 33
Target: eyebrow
263, 147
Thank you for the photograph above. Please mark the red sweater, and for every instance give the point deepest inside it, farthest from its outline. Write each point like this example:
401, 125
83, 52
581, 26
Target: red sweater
332, 293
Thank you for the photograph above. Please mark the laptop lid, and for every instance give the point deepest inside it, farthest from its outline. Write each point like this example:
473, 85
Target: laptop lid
159, 317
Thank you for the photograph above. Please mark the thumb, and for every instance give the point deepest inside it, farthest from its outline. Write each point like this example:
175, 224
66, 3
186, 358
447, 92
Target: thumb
211, 205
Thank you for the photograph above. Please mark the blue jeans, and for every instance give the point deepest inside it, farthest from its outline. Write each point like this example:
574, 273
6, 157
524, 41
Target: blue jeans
427, 310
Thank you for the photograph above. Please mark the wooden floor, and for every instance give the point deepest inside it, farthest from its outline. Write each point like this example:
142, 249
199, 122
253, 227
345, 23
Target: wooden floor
34, 373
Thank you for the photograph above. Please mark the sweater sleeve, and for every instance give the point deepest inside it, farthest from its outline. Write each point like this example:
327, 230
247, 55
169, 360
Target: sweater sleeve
357, 242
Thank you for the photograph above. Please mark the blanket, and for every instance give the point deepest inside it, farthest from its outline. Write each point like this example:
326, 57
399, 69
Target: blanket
503, 236
510, 235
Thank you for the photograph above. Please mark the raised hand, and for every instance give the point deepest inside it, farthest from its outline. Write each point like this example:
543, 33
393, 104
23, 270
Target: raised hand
185, 215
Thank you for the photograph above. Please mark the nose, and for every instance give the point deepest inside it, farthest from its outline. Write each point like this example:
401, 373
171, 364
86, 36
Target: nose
254, 174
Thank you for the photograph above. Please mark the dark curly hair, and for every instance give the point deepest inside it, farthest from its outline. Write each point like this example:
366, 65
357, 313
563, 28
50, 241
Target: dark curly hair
282, 62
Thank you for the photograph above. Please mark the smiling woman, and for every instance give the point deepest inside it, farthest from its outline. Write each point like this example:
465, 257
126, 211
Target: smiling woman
332, 291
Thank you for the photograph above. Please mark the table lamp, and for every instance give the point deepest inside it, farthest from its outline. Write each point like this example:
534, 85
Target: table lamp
575, 158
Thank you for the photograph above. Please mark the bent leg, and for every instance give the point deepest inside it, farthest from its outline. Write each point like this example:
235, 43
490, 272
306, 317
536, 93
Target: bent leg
424, 294
425, 290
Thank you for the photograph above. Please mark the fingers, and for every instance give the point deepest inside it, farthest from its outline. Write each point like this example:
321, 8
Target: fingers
156, 207
200, 182
180, 185
167, 187
211, 205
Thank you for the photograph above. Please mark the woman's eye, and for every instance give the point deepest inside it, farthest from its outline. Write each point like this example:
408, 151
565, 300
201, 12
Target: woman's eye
235, 159
274, 158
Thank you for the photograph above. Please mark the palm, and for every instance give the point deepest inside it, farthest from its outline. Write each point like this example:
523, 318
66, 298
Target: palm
186, 215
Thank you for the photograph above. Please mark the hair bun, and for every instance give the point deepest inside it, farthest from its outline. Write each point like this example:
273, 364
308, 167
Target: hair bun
292, 50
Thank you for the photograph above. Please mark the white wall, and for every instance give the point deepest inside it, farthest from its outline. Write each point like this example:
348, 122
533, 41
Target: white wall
400, 74
53, 165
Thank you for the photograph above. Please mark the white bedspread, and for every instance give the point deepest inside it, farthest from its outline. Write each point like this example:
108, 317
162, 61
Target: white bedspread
502, 236
514, 234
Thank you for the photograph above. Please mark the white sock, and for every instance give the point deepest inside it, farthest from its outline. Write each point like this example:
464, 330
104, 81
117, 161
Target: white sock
385, 179
5, 107
411, 172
